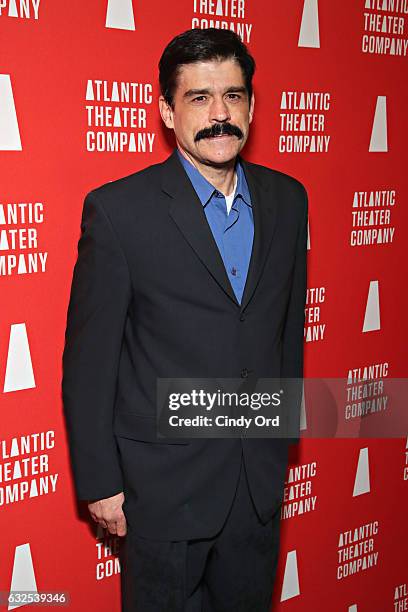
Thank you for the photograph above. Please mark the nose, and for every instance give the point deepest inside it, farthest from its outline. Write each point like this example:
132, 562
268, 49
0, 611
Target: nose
219, 110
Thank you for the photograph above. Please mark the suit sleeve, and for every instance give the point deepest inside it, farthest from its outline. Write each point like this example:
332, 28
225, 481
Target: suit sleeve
99, 299
293, 332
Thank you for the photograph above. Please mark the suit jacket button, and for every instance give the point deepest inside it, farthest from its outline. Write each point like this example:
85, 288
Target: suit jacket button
244, 373
242, 318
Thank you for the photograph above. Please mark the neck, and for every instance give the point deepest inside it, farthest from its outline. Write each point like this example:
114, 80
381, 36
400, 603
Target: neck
222, 177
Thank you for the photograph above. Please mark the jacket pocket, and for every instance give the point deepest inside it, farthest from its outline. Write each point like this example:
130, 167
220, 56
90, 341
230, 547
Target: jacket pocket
141, 427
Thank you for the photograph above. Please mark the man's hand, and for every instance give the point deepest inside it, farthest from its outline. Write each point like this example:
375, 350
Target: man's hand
108, 513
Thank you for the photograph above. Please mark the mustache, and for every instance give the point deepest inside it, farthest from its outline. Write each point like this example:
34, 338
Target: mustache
219, 129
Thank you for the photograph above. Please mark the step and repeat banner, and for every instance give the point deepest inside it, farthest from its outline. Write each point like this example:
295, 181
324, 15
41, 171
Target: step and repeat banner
78, 108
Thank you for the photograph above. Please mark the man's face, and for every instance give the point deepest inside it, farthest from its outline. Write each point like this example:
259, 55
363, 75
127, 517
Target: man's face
210, 99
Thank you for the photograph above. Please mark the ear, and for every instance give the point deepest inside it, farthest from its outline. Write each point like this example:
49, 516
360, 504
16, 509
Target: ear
251, 107
166, 112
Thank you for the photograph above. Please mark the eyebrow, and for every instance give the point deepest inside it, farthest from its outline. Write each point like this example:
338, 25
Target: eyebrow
197, 92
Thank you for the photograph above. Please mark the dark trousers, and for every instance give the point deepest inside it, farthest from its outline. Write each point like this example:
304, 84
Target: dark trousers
232, 571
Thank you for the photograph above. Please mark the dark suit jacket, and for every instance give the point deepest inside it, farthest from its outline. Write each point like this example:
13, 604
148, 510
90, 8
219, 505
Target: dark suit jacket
150, 298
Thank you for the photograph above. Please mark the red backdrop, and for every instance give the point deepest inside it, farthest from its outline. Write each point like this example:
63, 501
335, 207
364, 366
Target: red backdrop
331, 98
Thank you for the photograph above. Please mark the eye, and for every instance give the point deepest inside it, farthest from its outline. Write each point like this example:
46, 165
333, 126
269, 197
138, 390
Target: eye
233, 96
199, 98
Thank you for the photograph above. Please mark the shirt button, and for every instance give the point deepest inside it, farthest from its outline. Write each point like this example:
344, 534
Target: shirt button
244, 372
233, 271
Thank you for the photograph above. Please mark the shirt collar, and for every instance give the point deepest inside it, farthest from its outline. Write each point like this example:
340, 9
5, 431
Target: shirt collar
205, 189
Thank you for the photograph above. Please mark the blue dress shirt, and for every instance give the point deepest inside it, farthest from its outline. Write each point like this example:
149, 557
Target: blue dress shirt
233, 232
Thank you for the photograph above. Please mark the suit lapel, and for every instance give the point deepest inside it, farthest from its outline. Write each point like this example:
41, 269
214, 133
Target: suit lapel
264, 209
187, 212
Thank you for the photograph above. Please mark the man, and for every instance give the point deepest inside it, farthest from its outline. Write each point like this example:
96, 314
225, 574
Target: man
194, 267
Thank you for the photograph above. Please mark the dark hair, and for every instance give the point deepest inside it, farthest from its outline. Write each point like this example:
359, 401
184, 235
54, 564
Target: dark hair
201, 45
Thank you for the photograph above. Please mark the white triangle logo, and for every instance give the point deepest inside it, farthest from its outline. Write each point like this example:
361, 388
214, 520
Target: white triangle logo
362, 480
372, 311
120, 15
9, 131
353, 608
23, 577
19, 368
378, 142
309, 28
290, 586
